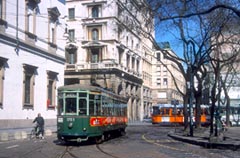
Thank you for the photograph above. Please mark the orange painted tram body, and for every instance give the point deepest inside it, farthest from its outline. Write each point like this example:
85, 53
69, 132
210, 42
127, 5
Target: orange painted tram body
167, 114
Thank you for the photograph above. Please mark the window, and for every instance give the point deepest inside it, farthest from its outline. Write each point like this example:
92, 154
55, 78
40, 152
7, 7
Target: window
133, 63
71, 35
72, 59
132, 44
71, 13
95, 35
165, 81
158, 56
51, 89
2, 70
30, 19
95, 12
53, 35
138, 65
71, 54
1, 9
128, 60
53, 14
95, 55
71, 105
28, 85
82, 109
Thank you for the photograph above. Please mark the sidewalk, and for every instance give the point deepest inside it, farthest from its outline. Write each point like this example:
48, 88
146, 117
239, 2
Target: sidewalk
228, 140
22, 133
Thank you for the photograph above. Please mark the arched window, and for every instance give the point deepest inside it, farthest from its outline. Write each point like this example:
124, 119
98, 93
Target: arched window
95, 12
94, 34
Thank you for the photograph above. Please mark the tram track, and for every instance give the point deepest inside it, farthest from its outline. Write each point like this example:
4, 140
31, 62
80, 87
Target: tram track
158, 143
66, 151
104, 152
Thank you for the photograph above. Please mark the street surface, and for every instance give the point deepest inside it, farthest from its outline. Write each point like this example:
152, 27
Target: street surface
149, 141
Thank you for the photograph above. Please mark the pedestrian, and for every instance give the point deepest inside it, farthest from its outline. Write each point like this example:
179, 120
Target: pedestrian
40, 125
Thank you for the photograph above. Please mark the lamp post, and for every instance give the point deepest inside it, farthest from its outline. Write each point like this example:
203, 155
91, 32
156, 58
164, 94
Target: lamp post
191, 70
191, 101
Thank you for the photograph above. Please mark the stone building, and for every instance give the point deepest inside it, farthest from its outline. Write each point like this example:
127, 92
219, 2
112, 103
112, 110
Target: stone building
164, 90
31, 60
104, 48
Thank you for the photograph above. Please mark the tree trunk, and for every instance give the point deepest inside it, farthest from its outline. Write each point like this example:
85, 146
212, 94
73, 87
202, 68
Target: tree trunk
212, 110
198, 112
185, 112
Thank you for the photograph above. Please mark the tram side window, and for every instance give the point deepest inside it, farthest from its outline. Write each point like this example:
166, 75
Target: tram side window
125, 110
91, 107
82, 107
71, 106
98, 107
167, 111
104, 108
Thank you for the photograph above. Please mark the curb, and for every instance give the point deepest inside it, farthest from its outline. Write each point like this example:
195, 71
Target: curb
206, 143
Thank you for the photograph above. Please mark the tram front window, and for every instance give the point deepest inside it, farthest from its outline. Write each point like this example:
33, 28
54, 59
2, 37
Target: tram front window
60, 107
82, 107
71, 106
156, 110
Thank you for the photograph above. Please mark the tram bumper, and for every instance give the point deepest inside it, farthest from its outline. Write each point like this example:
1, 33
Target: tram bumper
73, 138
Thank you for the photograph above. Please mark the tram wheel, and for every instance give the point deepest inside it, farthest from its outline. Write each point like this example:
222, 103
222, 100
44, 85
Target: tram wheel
99, 139
122, 132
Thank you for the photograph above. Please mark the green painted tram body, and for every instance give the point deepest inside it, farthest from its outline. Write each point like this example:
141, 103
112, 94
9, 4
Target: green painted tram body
89, 112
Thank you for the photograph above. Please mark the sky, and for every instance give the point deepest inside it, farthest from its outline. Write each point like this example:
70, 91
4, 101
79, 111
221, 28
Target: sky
164, 33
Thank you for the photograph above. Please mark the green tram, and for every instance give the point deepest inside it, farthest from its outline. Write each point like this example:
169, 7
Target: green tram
86, 112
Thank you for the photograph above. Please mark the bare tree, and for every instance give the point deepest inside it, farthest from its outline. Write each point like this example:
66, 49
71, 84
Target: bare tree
197, 24
204, 18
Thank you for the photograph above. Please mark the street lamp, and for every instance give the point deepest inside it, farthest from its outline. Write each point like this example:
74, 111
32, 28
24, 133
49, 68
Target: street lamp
191, 70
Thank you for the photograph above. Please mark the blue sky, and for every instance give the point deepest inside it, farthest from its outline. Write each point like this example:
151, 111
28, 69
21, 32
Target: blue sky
166, 33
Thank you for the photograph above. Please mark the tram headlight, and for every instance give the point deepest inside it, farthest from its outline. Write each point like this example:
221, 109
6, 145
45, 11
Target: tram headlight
70, 125
60, 120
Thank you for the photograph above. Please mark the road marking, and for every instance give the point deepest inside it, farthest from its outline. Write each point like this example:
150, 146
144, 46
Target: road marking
164, 146
13, 146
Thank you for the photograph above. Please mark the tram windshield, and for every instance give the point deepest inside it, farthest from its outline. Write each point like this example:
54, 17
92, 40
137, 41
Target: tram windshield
71, 105
82, 110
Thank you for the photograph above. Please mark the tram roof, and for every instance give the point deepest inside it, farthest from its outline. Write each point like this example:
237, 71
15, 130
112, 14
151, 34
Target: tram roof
90, 88
178, 106
80, 87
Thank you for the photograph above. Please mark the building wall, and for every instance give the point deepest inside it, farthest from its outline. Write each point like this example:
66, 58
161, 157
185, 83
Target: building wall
120, 64
164, 88
20, 47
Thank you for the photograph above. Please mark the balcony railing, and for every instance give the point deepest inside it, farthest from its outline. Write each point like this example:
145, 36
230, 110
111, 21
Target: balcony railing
101, 65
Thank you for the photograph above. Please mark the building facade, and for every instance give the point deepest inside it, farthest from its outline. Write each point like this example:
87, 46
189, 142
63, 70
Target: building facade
31, 60
167, 79
105, 50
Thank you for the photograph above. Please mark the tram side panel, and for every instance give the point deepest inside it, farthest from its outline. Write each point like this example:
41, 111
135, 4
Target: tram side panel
75, 128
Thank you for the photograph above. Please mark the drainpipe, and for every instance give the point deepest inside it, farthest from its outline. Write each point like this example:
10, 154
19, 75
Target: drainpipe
17, 40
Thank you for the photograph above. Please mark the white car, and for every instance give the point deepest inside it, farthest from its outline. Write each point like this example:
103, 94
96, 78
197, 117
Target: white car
234, 119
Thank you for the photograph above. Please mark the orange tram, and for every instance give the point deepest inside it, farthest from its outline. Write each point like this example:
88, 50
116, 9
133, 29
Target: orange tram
167, 114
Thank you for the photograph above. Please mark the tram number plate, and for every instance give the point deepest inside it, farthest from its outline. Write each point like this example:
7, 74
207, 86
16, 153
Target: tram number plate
70, 119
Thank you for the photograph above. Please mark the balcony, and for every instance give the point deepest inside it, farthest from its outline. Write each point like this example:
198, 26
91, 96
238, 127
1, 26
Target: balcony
109, 64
